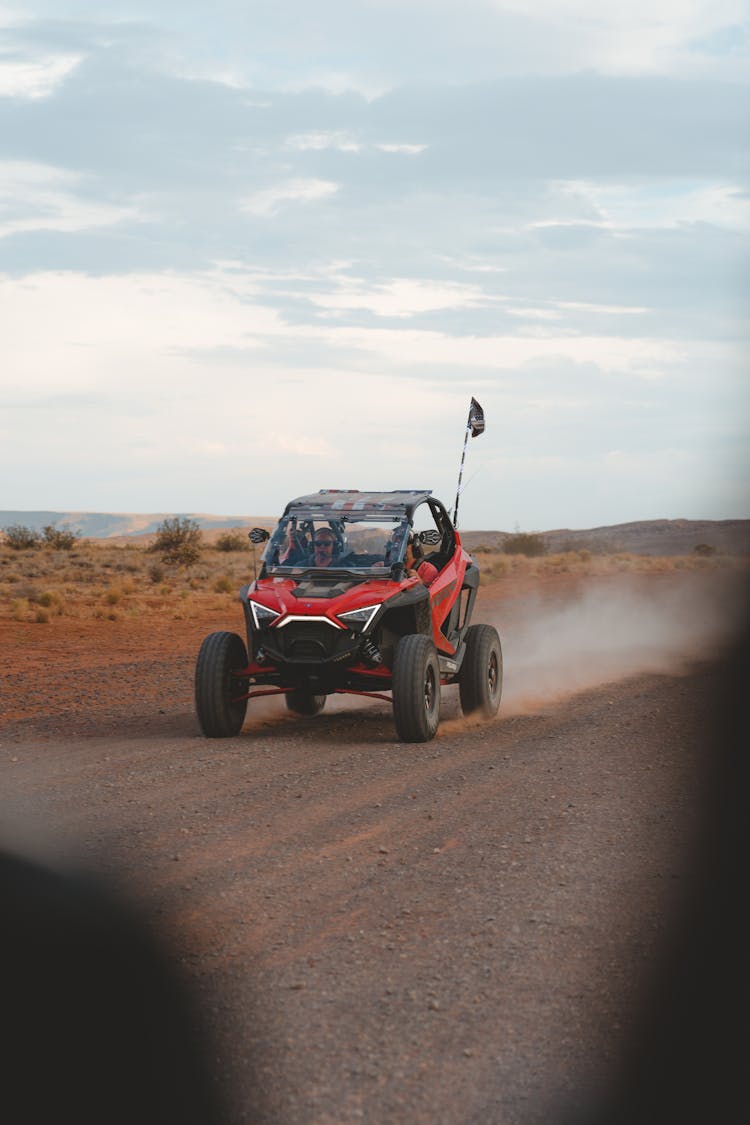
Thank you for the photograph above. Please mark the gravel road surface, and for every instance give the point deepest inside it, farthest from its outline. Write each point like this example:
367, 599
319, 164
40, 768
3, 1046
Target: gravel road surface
460, 931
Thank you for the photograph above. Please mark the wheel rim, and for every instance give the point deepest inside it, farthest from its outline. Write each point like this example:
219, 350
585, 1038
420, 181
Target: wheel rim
429, 689
492, 675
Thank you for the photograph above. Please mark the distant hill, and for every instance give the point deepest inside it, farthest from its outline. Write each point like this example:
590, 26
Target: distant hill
111, 525
642, 537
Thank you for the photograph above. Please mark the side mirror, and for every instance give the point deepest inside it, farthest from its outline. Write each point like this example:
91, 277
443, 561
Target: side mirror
258, 535
430, 538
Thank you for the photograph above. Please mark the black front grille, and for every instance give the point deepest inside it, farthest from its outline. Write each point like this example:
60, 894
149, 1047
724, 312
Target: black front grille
310, 643
307, 648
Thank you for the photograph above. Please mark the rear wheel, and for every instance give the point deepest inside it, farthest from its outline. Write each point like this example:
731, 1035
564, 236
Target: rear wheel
416, 689
480, 681
220, 713
302, 702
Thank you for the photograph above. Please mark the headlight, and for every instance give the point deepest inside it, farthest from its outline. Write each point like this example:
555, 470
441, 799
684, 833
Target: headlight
359, 620
262, 615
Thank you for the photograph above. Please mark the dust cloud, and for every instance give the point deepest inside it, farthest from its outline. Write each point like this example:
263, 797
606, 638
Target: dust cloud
554, 647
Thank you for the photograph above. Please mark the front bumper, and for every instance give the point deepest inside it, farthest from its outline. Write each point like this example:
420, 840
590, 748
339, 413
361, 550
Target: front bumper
316, 656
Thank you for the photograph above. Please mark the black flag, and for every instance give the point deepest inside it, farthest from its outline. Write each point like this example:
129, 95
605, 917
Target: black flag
475, 427
476, 418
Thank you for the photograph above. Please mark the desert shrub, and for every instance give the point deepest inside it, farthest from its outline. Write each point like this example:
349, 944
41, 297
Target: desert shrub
704, 549
178, 541
61, 538
22, 538
524, 543
555, 564
156, 573
231, 541
51, 599
29, 592
106, 614
113, 595
493, 567
19, 609
576, 545
223, 585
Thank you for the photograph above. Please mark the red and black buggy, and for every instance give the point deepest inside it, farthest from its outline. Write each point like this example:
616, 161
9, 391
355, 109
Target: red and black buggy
363, 624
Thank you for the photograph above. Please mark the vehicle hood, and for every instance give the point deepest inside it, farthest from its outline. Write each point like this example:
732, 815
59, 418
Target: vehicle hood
315, 597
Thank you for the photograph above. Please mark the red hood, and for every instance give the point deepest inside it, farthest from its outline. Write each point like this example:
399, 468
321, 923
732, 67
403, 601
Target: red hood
277, 594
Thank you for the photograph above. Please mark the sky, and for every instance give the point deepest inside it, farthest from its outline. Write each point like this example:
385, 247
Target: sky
252, 249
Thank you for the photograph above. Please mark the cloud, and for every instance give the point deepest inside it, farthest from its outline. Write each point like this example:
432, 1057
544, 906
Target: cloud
347, 142
38, 197
36, 77
350, 216
658, 203
318, 141
297, 443
619, 310
270, 201
407, 149
343, 46
400, 297
638, 37
96, 324
99, 329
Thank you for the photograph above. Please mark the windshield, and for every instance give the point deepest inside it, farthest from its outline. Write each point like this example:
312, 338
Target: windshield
352, 542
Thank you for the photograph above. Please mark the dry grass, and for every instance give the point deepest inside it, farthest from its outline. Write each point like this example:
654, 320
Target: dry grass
494, 566
107, 581
103, 581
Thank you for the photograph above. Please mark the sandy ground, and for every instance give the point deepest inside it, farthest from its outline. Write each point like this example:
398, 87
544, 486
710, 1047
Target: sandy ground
460, 931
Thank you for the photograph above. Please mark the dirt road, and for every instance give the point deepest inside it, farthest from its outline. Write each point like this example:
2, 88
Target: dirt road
452, 932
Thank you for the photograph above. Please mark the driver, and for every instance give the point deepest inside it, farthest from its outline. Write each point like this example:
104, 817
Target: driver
324, 546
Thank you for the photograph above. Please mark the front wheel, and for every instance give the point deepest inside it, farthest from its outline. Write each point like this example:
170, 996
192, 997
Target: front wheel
416, 689
301, 702
480, 681
217, 687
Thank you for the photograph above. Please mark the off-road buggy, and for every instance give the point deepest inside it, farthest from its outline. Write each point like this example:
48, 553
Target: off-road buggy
363, 624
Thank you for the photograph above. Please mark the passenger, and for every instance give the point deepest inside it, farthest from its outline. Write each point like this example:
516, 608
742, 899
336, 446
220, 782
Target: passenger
415, 562
297, 548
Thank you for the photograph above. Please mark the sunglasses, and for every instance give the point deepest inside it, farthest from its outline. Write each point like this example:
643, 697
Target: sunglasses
324, 542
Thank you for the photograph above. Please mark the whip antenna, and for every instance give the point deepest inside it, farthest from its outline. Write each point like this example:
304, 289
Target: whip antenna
475, 427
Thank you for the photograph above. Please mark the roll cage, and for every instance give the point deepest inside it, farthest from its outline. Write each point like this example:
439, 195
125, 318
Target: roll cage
355, 519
